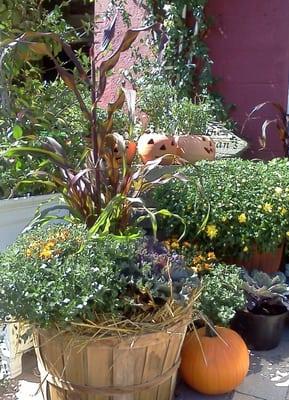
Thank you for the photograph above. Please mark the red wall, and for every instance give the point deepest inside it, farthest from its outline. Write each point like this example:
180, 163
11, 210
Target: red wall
249, 45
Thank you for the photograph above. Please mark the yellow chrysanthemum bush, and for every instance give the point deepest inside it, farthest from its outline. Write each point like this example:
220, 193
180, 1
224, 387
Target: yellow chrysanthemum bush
231, 205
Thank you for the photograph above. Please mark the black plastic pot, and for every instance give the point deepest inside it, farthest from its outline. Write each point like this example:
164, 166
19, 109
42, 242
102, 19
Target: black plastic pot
260, 332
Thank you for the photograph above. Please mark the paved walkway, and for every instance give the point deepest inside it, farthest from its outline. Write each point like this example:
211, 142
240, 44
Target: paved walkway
268, 379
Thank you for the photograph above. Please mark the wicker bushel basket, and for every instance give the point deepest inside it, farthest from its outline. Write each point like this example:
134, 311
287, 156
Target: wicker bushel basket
136, 367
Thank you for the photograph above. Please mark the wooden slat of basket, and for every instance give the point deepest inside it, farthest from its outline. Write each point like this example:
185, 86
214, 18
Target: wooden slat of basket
123, 370
139, 367
97, 374
75, 366
165, 390
57, 394
52, 354
153, 367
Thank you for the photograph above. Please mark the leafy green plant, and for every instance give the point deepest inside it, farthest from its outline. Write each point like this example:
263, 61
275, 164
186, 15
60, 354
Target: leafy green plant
24, 93
185, 55
247, 205
222, 293
167, 112
63, 274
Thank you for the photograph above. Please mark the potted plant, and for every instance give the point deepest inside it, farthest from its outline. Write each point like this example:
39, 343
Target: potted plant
101, 195
261, 323
175, 125
215, 359
99, 303
244, 207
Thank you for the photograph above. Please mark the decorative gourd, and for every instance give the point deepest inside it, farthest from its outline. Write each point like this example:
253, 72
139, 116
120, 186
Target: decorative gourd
222, 365
154, 145
195, 147
130, 152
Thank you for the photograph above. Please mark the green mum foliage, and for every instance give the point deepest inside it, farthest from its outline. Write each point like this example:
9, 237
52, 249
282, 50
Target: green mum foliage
244, 203
222, 294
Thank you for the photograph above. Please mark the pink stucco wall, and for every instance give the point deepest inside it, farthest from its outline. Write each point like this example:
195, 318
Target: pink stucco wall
249, 43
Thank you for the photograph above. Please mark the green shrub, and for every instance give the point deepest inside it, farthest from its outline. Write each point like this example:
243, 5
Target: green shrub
222, 294
249, 204
170, 113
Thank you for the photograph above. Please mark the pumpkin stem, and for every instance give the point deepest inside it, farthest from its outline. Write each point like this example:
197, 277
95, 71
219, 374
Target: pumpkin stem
210, 330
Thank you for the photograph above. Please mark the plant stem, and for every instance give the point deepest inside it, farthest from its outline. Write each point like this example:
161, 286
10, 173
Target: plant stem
210, 331
94, 122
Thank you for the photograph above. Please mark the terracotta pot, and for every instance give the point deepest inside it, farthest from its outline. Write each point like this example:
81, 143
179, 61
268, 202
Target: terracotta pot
267, 262
130, 152
153, 145
195, 148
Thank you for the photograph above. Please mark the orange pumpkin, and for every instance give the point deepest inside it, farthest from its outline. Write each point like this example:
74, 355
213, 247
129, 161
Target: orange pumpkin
130, 152
195, 147
154, 145
221, 368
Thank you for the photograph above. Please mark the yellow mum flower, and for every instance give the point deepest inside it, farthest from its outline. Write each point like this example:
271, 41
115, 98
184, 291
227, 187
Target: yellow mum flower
245, 249
242, 218
267, 207
287, 234
174, 244
211, 231
283, 211
211, 255
46, 253
50, 244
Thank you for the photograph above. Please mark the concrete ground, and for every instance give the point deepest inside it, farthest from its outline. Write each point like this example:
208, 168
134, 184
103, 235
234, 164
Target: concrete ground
268, 379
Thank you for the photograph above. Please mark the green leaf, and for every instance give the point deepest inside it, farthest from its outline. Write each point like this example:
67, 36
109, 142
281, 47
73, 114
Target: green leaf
12, 152
17, 132
18, 165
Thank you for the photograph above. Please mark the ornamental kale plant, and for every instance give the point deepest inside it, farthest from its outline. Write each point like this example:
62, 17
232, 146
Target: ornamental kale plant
60, 274
264, 291
222, 293
247, 205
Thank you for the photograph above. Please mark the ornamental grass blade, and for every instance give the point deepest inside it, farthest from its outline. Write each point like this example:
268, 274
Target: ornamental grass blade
264, 131
48, 184
78, 176
130, 97
150, 214
106, 65
167, 213
52, 145
111, 108
108, 34
56, 158
107, 216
